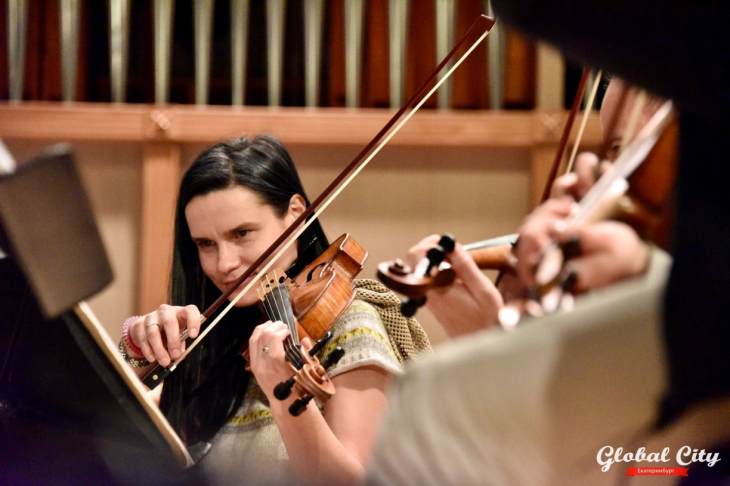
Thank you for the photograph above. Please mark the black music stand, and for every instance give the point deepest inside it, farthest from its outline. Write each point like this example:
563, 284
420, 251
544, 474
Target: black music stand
66, 413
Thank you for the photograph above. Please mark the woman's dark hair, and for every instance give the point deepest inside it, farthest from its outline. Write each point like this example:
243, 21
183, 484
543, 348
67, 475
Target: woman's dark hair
206, 389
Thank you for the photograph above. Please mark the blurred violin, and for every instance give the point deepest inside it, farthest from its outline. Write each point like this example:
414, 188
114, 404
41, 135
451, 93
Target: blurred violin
491, 254
636, 188
433, 271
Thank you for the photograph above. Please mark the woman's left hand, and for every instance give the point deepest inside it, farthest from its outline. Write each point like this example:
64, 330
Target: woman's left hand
266, 355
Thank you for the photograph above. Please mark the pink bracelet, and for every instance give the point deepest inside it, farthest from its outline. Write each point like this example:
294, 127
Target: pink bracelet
127, 339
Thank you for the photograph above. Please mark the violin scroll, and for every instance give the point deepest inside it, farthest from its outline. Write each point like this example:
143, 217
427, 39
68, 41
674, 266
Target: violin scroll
433, 272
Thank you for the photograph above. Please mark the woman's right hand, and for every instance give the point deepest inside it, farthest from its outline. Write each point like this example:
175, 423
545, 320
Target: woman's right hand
157, 334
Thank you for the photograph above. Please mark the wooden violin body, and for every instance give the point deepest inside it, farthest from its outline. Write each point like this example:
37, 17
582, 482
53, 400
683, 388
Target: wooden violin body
323, 289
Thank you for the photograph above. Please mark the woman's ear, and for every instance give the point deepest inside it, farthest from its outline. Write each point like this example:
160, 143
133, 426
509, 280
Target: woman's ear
297, 206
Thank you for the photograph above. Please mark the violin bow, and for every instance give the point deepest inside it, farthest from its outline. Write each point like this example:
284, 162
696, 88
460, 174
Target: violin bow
476, 33
557, 161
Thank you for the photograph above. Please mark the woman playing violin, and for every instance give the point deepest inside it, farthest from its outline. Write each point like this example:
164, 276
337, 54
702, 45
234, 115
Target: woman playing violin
234, 201
610, 251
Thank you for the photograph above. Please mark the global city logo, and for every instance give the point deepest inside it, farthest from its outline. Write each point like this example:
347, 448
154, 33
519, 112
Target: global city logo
686, 455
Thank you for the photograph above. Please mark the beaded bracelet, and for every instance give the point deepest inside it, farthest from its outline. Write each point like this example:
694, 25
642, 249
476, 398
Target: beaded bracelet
133, 362
131, 346
126, 345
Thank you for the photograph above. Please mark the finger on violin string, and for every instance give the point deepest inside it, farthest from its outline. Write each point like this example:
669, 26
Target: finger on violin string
550, 300
258, 330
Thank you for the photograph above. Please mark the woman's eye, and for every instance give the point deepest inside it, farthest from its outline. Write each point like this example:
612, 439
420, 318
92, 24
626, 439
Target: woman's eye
242, 233
205, 243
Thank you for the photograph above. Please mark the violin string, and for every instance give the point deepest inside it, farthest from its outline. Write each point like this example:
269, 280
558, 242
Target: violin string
266, 264
584, 121
492, 242
270, 311
284, 306
293, 339
273, 293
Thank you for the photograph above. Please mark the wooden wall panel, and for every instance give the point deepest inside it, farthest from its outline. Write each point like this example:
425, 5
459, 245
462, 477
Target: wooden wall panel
375, 89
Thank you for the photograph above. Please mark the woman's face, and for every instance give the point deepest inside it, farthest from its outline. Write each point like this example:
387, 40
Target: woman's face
231, 228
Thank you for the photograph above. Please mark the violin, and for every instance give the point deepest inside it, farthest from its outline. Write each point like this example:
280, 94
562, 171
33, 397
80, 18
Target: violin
433, 272
309, 304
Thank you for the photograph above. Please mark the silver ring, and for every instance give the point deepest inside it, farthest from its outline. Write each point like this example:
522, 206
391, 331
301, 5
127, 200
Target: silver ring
265, 348
149, 322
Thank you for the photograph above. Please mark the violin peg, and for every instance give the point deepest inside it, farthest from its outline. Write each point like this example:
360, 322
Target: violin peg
320, 344
410, 306
447, 242
334, 357
299, 405
435, 256
283, 389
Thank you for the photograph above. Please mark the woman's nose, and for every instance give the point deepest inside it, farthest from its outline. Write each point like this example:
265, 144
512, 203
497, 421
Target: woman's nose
229, 258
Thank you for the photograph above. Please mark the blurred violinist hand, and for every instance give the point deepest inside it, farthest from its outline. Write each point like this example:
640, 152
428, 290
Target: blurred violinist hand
470, 303
607, 251
576, 184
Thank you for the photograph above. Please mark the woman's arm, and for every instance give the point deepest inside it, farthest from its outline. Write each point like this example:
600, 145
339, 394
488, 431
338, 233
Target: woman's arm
329, 447
332, 448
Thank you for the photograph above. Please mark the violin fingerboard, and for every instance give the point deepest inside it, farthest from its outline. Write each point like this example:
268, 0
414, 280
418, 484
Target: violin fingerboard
277, 303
